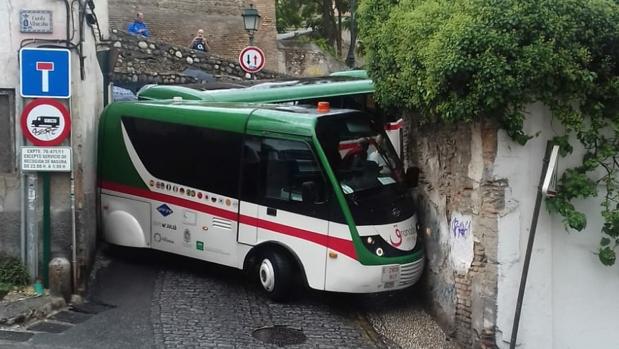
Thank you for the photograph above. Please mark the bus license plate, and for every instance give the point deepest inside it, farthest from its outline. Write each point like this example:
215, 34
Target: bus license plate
391, 273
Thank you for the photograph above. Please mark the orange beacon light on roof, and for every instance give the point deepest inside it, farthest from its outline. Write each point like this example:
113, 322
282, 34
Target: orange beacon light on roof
323, 107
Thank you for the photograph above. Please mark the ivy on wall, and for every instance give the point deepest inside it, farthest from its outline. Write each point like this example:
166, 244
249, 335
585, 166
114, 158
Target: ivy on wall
462, 60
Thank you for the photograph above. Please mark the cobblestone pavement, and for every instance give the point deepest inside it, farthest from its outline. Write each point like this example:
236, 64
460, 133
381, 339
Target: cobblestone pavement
221, 309
165, 301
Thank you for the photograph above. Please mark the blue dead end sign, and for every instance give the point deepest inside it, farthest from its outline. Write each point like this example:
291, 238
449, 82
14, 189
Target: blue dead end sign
45, 72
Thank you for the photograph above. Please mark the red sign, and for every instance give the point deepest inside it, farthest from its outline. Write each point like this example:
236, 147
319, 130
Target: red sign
45, 122
252, 59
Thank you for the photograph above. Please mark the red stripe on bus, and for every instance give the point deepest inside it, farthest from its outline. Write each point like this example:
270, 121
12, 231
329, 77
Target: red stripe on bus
343, 246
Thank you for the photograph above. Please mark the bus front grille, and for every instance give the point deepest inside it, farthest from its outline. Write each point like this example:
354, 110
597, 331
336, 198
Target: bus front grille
410, 273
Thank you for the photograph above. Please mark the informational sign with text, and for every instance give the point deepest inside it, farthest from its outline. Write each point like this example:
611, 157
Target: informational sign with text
46, 159
36, 21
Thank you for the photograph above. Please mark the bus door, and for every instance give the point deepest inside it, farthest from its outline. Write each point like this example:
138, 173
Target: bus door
289, 189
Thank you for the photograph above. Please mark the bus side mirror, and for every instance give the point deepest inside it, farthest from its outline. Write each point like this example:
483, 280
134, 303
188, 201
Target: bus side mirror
412, 176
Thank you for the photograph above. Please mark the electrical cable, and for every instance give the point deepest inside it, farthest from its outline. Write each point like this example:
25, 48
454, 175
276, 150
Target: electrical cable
30, 41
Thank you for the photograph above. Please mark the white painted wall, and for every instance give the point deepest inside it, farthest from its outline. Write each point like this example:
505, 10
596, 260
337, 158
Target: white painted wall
571, 298
85, 104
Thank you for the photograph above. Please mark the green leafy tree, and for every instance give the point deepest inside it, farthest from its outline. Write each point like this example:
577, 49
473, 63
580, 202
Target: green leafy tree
288, 15
461, 60
320, 15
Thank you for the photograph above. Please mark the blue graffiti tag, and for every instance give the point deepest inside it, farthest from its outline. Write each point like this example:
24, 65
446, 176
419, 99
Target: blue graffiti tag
460, 229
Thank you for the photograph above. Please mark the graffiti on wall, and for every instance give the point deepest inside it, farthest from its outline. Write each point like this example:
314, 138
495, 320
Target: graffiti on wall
461, 241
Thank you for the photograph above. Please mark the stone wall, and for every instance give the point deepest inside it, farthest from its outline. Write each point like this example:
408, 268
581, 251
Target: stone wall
297, 57
458, 204
148, 61
176, 22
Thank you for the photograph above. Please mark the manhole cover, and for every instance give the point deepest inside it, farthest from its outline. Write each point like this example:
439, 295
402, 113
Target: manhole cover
279, 335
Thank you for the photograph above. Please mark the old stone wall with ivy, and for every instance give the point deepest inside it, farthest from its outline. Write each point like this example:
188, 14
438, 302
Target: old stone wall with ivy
468, 61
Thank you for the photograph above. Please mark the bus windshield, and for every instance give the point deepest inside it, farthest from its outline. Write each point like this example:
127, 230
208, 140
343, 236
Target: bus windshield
367, 167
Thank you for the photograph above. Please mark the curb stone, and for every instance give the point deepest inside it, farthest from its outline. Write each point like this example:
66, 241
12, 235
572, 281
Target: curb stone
22, 311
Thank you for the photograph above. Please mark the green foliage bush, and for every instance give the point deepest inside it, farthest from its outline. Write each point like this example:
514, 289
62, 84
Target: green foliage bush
462, 60
4, 289
12, 272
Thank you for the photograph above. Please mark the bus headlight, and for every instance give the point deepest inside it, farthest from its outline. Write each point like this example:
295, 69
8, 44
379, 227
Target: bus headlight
376, 245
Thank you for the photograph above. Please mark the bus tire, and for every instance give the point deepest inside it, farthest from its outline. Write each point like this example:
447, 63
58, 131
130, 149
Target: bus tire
275, 275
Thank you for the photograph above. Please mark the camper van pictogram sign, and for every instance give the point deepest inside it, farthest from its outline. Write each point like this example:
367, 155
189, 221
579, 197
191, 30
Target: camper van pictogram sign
45, 122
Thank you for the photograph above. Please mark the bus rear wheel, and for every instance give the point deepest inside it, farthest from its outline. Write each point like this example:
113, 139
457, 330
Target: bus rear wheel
275, 275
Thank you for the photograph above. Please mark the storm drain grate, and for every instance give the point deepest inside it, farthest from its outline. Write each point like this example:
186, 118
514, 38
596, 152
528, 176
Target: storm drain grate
71, 317
49, 327
15, 336
279, 335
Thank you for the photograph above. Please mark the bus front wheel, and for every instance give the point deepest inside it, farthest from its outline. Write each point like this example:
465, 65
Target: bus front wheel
275, 275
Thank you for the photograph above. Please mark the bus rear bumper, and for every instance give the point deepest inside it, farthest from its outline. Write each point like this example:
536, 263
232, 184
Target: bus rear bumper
348, 275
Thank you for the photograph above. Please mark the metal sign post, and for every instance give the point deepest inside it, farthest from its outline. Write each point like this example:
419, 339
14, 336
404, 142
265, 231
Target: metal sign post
44, 122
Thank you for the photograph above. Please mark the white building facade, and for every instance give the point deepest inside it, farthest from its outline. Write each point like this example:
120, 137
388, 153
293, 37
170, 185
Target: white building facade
571, 298
82, 27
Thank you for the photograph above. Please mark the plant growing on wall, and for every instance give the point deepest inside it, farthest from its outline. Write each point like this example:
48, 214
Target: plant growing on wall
461, 60
12, 273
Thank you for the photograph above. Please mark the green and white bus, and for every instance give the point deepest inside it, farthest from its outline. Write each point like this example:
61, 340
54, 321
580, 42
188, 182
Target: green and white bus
284, 192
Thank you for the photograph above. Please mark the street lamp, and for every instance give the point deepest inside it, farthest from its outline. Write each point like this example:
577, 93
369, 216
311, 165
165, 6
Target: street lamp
251, 20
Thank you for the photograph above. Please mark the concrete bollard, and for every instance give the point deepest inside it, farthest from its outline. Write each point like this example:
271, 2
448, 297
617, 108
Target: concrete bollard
60, 278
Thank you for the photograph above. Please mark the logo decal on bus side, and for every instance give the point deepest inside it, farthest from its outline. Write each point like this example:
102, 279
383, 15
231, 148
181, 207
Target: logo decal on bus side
165, 210
398, 235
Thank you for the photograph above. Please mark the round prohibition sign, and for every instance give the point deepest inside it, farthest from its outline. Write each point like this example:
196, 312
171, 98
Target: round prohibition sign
252, 59
45, 122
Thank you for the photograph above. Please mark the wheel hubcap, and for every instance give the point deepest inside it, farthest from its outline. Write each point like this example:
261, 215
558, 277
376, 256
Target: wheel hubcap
267, 275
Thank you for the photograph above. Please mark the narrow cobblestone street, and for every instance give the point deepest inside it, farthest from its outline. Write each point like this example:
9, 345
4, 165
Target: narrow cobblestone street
164, 301
157, 300
219, 307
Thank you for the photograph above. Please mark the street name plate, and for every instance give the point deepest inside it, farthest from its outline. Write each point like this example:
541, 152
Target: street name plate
35, 21
46, 159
